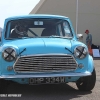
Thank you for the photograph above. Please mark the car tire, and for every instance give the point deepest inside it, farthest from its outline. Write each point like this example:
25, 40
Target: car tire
87, 83
3, 86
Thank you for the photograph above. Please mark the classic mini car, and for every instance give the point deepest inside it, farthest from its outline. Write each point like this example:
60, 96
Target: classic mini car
44, 49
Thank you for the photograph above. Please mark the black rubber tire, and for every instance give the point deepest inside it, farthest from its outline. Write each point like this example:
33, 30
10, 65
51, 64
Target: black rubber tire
3, 86
87, 83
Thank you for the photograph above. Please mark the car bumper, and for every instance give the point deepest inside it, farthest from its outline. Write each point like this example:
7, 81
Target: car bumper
64, 74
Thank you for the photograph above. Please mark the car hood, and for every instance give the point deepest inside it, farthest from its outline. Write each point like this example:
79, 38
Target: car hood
40, 45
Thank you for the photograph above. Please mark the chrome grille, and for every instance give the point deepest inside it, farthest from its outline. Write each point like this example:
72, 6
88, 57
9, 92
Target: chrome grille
45, 63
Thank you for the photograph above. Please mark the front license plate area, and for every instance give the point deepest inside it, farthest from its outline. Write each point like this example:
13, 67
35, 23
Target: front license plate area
46, 80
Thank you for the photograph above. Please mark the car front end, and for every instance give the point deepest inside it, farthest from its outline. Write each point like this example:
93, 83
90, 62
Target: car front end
38, 58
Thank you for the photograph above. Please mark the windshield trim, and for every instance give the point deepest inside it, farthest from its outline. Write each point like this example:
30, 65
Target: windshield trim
33, 32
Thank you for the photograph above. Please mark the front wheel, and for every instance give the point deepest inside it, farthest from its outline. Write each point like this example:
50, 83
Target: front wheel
87, 83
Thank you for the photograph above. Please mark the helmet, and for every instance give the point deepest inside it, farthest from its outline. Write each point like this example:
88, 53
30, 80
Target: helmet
21, 29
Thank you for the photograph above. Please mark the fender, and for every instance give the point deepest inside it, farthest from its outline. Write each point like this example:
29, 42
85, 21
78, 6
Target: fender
90, 64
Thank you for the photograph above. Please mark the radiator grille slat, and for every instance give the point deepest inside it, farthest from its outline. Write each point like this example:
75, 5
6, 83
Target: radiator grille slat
45, 63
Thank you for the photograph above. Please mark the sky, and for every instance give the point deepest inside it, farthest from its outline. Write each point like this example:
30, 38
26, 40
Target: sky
10, 8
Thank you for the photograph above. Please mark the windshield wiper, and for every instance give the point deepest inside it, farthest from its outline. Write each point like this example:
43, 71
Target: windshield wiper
19, 38
24, 37
56, 36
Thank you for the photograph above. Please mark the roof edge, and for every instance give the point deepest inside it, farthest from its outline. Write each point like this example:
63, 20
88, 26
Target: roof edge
35, 16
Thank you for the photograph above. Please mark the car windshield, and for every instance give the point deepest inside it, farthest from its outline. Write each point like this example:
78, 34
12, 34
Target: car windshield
31, 28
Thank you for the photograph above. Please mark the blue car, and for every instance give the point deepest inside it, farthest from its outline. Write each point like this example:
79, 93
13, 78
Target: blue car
44, 49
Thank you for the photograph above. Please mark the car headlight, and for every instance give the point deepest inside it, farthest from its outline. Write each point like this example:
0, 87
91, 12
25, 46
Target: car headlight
9, 54
80, 52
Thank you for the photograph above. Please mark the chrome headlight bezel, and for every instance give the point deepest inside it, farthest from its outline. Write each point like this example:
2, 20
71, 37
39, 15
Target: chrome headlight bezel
80, 52
9, 54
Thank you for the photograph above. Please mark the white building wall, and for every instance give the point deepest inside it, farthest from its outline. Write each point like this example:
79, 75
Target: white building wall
88, 14
89, 18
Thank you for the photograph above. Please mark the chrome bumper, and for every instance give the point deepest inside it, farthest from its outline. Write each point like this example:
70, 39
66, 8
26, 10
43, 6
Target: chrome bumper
48, 75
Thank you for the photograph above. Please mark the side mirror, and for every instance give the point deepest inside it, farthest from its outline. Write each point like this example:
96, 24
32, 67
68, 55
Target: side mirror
80, 36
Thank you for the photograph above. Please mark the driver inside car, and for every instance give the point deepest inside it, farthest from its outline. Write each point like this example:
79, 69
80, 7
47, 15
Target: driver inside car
19, 31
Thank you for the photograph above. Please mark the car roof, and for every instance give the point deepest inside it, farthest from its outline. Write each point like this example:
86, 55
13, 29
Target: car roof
37, 16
